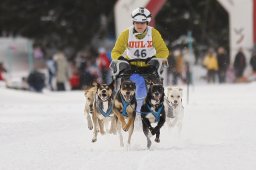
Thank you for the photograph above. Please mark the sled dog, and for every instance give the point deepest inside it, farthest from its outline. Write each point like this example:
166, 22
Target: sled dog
125, 109
102, 114
153, 113
174, 107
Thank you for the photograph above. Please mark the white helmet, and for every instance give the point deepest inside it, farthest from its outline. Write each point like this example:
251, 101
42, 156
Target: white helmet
141, 15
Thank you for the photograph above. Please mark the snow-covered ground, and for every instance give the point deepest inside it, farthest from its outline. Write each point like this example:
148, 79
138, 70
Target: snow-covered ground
49, 131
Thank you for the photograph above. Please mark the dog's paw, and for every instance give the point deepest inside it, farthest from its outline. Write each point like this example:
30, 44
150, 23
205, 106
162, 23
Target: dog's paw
89, 123
90, 127
102, 132
125, 128
153, 131
94, 140
157, 140
149, 144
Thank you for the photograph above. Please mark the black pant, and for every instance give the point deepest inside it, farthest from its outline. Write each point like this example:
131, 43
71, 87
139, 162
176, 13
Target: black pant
222, 76
149, 73
60, 86
211, 76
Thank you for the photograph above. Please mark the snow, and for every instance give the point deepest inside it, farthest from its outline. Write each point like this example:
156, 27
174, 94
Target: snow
49, 131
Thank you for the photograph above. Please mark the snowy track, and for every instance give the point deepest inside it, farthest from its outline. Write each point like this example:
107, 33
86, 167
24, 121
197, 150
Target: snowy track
49, 131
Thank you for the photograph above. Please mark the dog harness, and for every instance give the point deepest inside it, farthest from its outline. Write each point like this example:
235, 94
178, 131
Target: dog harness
109, 111
125, 105
156, 114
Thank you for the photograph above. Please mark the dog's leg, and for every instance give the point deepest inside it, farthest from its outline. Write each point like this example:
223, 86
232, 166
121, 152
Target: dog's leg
179, 125
95, 130
106, 125
146, 132
157, 139
158, 127
91, 108
181, 119
129, 124
88, 117
89, 122
101, 126
130, 133
113, 125
119, 117
169, 122
131, 118
120, 134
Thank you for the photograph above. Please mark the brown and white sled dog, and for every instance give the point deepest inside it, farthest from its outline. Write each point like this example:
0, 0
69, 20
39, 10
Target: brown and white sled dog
102, 116
89, 93
125, 109
153, 113
174, 108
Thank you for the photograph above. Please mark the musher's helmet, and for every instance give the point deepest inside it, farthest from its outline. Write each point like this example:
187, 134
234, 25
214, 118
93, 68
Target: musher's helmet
141, 14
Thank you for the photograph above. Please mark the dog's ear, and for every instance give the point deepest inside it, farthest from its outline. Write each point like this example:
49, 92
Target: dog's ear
98, 85
112, 84
181, 91
94, 83
169, 88
134, 85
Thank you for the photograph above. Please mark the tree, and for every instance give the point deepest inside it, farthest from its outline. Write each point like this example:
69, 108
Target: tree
56, 23
207, 20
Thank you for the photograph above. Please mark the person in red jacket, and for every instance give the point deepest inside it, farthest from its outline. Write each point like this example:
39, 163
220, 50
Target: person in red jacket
74, 81
2, 70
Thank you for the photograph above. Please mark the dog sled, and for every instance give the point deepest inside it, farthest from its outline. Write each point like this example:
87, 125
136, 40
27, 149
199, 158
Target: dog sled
144, 79
122, 69
141, 76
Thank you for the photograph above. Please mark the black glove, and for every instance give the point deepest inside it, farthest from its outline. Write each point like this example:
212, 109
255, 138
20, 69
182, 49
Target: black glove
148, 59
122, 58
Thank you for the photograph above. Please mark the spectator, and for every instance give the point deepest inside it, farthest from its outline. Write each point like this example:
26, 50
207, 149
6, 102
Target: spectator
61, 71
179, 67
86, 73
103, 64
189, 60
51, 67
223, 64
210, 63
253, 61
239, 64
36, 81
2, 70
171, 68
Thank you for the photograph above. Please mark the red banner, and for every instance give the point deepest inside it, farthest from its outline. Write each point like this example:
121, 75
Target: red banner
154, 6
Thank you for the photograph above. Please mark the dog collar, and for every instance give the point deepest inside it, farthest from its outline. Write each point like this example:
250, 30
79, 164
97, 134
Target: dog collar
157, 113
125, 105
109, 111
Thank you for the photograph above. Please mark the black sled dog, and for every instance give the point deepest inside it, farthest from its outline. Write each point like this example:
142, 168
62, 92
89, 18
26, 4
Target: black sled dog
153, 113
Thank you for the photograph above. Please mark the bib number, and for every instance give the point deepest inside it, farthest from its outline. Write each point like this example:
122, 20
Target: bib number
140, 53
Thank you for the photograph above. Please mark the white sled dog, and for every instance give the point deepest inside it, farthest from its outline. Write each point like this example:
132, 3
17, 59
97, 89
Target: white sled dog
174, 108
